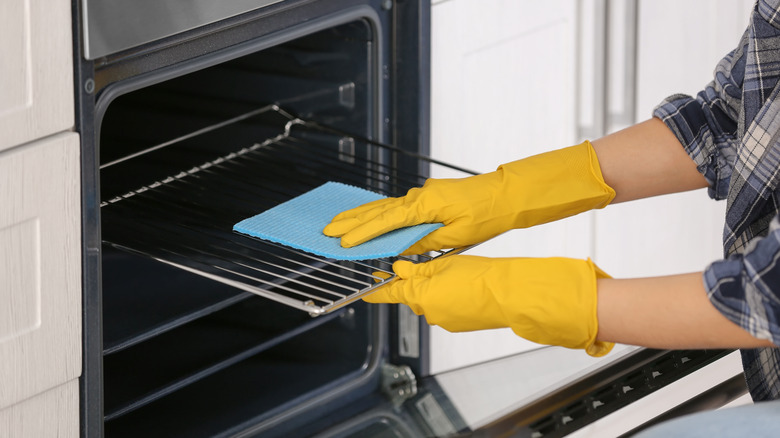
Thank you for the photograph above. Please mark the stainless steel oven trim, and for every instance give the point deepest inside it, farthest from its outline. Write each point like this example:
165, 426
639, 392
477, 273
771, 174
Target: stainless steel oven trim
115, 25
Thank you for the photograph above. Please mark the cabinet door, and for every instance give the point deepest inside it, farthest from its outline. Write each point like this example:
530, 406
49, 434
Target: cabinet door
40, 267
36, 71
682, 232
497, 95
55, 413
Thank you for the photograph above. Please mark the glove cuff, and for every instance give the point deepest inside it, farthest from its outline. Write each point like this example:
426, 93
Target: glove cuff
556, 303
555, 185
593, 347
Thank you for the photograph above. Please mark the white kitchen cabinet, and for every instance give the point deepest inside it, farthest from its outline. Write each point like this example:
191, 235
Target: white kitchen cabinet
503, 80
54, 413
503, 86
40, 223
40, 267
36, 71
678, 45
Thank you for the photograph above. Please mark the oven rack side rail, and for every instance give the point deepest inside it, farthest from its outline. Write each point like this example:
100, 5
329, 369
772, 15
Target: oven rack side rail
185, 220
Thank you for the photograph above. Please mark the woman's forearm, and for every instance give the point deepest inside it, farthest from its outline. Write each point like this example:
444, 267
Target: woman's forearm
671, 312
646, 160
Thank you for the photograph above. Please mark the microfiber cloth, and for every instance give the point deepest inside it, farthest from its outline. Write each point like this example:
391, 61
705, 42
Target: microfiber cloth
298, 223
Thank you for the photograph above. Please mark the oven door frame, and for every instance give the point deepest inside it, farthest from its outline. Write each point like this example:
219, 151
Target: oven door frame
402, 78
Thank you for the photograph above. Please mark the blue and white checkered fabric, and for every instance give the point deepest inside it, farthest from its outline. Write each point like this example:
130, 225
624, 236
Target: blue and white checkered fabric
731, 129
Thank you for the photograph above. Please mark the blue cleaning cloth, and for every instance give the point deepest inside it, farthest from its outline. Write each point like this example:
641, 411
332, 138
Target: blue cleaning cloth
298, 223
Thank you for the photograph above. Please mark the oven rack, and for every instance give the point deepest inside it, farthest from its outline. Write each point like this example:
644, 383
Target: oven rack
186, 219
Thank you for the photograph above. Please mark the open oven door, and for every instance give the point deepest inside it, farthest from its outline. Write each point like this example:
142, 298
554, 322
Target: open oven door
550, 392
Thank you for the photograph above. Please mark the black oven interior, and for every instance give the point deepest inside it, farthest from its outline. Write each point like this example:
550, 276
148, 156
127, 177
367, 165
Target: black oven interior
181, 161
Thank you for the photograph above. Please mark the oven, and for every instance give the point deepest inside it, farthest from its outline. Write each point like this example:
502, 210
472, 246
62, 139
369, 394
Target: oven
195, 115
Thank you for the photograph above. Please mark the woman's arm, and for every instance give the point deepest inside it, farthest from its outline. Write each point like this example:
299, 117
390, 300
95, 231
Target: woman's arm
661, 312
646, 160
666, 312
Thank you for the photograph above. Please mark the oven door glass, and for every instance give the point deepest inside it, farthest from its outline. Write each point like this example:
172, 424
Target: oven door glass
545, 392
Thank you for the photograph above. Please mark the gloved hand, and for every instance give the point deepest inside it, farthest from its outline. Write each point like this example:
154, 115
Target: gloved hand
550, 301
527, 192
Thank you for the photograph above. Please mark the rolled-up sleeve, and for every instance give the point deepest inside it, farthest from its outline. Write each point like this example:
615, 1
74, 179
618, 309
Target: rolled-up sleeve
746, 287
707, 125
731, 130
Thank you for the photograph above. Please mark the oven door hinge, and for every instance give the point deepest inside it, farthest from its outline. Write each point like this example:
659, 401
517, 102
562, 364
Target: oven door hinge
398, 383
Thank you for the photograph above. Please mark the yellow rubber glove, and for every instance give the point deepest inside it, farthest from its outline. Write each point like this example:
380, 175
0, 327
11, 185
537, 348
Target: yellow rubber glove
527, 192
550, 301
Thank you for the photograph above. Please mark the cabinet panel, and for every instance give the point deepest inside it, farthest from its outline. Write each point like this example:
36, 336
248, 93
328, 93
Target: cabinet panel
40, 267
496, 92
497, 95
36, 71
54, 413
19, 287
676, 233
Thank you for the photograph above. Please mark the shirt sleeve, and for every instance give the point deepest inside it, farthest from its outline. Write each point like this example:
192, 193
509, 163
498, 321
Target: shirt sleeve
708, 125
744, 287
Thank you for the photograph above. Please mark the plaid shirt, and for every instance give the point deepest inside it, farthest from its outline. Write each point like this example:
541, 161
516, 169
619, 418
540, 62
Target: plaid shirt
731, 130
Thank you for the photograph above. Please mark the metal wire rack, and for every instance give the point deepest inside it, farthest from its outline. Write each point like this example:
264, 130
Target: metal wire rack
185, 220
